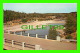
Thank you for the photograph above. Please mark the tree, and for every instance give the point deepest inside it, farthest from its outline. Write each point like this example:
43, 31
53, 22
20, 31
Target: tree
70, 24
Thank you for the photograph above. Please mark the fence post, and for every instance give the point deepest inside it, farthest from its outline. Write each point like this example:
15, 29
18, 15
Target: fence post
12, 43
23, 45
45, 36
14, 32
21, 33
58, 38
36, 35
37, 47
28, 34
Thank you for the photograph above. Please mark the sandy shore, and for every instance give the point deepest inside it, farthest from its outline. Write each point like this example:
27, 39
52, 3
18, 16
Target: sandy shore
18, 27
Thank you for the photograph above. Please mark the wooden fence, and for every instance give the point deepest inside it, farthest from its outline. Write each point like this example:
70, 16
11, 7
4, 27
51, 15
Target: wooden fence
21, 45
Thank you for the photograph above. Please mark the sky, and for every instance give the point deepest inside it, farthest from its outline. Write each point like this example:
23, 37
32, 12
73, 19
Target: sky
41, 7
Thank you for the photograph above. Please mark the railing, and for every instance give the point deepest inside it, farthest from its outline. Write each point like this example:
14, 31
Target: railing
24, 45
21, 45
69, 40
21, 33
58, 38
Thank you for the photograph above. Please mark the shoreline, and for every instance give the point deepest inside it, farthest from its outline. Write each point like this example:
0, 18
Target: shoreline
18, 27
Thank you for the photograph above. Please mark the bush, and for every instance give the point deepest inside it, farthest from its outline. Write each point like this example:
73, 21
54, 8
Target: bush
52, 34
68, 37
24, 20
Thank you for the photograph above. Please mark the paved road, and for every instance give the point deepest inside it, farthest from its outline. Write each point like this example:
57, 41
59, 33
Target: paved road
44, 43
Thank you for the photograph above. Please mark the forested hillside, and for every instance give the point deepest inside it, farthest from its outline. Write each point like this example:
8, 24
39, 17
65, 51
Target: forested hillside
10, 15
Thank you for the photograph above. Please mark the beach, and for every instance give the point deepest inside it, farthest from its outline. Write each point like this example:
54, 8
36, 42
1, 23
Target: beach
40, 23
